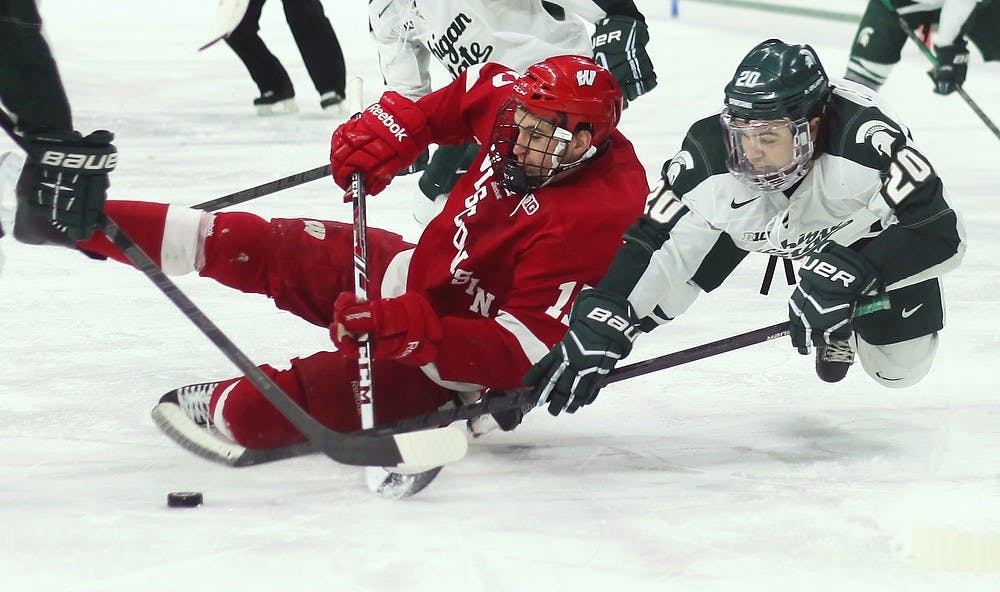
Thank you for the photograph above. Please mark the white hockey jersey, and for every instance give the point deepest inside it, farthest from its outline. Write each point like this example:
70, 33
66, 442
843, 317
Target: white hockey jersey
870, 182
461, 33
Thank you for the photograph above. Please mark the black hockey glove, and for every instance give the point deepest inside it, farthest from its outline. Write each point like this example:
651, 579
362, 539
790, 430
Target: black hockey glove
64, 184
620, 46
831, 280
952, 66
601, 332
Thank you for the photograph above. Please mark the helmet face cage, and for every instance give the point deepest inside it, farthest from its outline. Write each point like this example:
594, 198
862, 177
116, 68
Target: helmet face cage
743, 135
569, 93
536, 136
776, 85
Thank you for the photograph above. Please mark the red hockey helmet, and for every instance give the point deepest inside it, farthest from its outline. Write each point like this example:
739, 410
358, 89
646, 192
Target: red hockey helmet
575, 92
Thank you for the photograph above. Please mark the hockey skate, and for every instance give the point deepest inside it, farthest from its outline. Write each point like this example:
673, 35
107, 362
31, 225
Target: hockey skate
333, 103
479, 426
183, 416
193, 400
834, 360
276, 103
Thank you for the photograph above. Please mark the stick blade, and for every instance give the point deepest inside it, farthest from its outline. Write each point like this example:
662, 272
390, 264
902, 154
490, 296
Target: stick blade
426, 449
173, 422
180, 428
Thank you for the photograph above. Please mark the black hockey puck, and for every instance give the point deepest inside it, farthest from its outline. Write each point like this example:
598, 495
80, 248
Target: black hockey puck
184, 499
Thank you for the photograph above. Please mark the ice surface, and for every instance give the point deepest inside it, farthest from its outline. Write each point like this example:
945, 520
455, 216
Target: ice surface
742, 472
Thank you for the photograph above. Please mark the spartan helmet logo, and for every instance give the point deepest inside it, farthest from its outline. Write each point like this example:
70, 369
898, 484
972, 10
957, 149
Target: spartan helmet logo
809, 58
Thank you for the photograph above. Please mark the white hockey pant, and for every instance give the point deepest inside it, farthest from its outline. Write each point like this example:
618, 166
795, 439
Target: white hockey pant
897, 365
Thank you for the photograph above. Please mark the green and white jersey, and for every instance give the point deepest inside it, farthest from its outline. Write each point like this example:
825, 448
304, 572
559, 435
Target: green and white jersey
954, 13
870, 182
464, 33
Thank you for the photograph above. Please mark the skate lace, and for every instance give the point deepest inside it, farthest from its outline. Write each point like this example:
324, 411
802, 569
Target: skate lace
194, 399
839, 352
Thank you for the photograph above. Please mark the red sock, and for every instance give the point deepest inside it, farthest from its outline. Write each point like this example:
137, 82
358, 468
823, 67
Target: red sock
250, 418
142, 221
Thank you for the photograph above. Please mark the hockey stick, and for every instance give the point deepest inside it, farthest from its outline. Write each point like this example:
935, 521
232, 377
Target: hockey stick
359, 196
230, 13
934, 62
366, 392
264, 189
380, 480
427, 449
500, 401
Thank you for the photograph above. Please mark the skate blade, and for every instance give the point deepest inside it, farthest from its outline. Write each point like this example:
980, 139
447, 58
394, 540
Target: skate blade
286, 107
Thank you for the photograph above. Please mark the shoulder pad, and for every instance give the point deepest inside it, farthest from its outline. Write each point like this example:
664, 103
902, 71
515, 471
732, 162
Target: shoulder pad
863, 132
702, 155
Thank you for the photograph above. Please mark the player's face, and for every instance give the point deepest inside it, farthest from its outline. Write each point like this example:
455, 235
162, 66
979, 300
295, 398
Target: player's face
771, 155
536, 145
767, 145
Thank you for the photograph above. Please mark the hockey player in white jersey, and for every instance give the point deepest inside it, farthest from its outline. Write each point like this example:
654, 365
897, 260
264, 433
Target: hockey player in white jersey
879, 40
515, 33
797, 166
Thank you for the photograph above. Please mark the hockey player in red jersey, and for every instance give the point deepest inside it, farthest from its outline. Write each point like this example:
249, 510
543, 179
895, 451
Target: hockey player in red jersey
483, 294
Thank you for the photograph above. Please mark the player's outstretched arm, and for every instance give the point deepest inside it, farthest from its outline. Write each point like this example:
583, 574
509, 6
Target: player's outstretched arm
602, 329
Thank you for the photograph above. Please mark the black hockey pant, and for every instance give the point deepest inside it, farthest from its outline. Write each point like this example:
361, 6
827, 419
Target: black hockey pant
314, 37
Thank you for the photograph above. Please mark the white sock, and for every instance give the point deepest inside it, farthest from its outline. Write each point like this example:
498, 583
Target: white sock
183, 247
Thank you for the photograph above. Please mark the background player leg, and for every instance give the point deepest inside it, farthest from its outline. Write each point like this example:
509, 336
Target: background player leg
320, 51
277, 95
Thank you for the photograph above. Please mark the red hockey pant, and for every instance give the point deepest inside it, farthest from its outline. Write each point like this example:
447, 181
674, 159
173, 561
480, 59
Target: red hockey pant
302, 265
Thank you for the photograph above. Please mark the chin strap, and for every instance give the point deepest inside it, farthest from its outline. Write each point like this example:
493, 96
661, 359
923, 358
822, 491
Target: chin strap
591, 152
520, 182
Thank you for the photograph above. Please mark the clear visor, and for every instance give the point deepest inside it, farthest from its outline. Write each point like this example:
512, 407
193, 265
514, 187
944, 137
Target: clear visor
770, 155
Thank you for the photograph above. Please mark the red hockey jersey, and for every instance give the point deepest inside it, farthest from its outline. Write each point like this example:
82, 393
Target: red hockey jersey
502, 270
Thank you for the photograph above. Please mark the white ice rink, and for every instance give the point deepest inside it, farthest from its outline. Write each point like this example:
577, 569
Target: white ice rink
740, 472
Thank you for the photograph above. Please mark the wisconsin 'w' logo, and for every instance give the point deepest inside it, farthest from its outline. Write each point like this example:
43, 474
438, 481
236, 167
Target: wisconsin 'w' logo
586, 77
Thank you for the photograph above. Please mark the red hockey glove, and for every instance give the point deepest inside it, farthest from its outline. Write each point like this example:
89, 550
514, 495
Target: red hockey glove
387, 138
404, 328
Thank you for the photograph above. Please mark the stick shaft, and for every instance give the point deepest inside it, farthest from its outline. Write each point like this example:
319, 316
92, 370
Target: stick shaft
264, 189
355, 97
